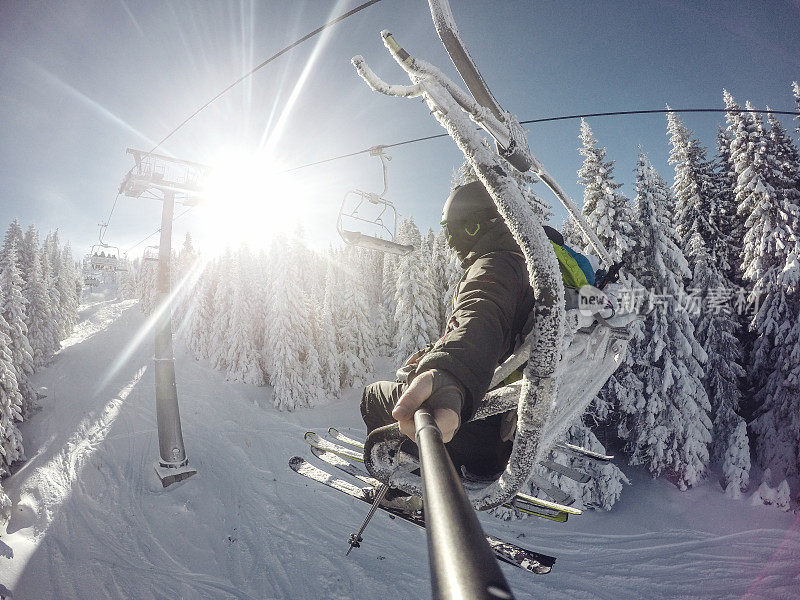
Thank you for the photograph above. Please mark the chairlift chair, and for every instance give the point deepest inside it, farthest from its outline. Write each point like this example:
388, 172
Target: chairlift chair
150, 253
104, 257
357, 210
568, 355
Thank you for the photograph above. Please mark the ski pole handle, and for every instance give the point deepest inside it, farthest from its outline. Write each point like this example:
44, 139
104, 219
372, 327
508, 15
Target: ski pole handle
461, 561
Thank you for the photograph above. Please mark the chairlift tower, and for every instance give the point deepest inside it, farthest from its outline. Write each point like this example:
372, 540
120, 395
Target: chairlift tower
176, 180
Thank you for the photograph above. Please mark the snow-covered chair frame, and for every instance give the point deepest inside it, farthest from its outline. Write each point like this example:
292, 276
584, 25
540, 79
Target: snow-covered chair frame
556, 345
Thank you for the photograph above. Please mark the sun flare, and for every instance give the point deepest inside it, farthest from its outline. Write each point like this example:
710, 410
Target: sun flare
249, 200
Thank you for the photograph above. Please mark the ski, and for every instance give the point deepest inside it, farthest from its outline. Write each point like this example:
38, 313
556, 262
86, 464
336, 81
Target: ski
527, 502
533, 562
338, 435
558, 496
316, 441
584, 452
566, 471
520, 503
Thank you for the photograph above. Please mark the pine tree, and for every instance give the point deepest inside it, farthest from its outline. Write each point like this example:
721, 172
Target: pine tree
14, 237
357, 341
200, 317
669, 425
68, 285
693, 190
415, 306
219, 339
10, 406
39, 312
730, 227
57, 319
700, 225
607, 211
775, 361
12, 309
769, 266
242, 358
388, 306
290, 338
325, 336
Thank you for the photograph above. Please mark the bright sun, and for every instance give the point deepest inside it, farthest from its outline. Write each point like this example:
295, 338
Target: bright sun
250, 201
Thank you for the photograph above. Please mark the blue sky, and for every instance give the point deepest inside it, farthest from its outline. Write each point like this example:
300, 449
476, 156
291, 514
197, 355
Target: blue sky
82, 81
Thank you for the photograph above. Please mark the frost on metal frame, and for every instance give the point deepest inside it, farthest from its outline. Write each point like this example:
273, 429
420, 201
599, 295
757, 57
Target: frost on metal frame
544, 413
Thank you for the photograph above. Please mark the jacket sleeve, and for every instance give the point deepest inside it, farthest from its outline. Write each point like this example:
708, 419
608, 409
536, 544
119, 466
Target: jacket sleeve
483, 317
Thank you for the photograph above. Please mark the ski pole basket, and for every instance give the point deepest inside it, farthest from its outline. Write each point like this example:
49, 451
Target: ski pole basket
369, 220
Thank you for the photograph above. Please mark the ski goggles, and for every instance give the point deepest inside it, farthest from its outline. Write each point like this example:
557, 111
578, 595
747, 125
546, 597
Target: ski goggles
476, 227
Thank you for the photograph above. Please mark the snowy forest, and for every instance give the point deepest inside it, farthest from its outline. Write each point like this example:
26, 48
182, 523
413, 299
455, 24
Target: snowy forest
711, 384
41, 289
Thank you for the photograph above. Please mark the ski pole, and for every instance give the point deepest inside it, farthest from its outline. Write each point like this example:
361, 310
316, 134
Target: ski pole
461, 560
355, 538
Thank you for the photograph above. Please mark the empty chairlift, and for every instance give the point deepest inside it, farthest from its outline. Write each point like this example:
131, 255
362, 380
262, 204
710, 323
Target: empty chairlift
369, 220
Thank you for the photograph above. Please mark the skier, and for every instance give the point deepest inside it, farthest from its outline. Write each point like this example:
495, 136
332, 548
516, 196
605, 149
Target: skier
491, 307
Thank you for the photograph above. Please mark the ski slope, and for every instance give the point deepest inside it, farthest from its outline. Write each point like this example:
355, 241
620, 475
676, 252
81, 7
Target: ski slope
91, 520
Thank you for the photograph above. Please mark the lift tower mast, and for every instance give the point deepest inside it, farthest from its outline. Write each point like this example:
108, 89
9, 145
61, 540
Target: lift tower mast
176, 180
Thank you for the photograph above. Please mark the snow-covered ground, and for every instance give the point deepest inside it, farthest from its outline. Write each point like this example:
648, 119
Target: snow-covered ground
91, 519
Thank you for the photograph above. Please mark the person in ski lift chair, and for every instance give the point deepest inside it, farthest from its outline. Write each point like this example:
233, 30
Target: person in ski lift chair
491, 308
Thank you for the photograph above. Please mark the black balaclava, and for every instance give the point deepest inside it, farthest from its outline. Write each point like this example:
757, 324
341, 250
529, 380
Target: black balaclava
468, 215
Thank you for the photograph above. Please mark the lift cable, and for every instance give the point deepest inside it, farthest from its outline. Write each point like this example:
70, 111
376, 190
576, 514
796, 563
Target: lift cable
143, 240
545, 120
281, 52
562, 118
263, 64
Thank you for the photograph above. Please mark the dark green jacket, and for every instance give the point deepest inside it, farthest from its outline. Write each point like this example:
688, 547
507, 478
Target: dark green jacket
491, 305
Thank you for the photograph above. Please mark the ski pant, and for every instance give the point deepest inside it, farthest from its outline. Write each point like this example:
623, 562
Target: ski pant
476, 446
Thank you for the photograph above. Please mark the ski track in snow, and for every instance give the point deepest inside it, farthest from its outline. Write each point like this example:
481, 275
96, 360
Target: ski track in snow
91, 519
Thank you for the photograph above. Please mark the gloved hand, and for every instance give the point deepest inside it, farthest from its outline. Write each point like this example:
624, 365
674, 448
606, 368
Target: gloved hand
445, 396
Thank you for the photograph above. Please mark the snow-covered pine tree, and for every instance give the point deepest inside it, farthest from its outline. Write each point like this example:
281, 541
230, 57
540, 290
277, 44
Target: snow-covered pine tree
693, 189
39, 320
15, 237
68, 285
716, 327
184, 280
607, 211
772, 264
356, 339
50, 276
610, 215
242, 360
147, 280
200, 317
730, 227
669, 426
12, 309
451, 273
10, 406
572, 234
219, 339
326, 334
416, 310
388, 306
290, 336
701, 225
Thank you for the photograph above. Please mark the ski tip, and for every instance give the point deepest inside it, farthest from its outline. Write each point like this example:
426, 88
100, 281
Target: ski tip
310, 435
333, 430
295, 461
